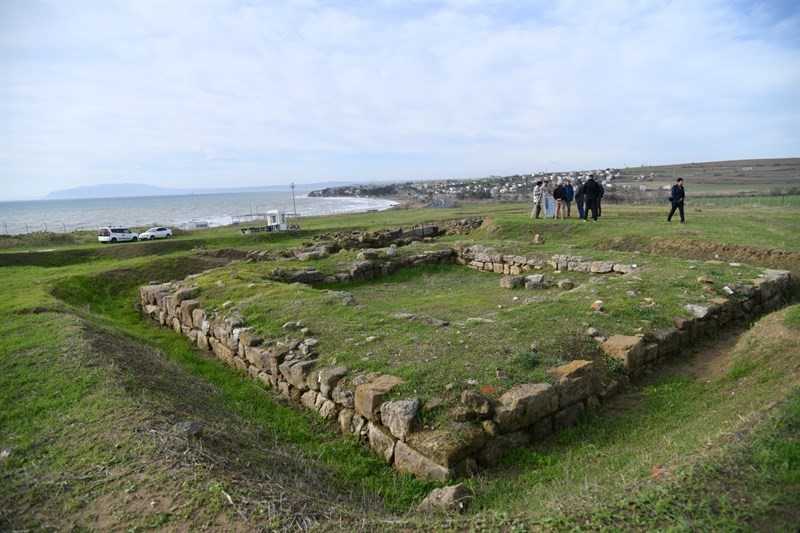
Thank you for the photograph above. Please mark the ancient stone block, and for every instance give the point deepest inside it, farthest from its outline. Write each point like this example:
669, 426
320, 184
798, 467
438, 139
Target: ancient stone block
398, 416
222, 351
309, 399
153, 294
296, 372
369, 396
381, 441
525, 404
535, 280
448, 499
602, 267
329, 377
668, 342
312, 380
623, 269
328, 410
202, 342
198, 317
248, 338
698, 311
345, 420
449, 445
574, 382
628, 349
565, 284
511, 282
239, 363
186, 308
343, 395
407, 459
767, 288
682, 323
476, 402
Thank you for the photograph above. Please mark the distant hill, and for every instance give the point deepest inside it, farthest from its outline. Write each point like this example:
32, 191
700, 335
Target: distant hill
118, 190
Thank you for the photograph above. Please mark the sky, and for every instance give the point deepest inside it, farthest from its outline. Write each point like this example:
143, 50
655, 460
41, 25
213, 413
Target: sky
254, 93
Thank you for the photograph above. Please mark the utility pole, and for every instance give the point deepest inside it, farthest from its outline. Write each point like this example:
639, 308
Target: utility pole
293, 203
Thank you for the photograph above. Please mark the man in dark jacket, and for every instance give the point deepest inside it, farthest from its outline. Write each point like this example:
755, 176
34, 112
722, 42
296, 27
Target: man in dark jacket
579, 198
591, 192
560, 194
677, 197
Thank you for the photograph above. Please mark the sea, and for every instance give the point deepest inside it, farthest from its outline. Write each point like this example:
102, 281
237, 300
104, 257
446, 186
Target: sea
175, 211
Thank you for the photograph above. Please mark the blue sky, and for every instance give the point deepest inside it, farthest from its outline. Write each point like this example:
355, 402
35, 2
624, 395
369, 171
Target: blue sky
209, 94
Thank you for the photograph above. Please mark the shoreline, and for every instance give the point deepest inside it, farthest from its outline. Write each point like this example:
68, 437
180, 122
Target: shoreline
179, 212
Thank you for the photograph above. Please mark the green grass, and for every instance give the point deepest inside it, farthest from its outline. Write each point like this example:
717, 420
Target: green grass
785, 201
488, 327
90, 390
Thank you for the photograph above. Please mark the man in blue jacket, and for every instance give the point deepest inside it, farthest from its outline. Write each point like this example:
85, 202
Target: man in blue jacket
570, 196
677, 197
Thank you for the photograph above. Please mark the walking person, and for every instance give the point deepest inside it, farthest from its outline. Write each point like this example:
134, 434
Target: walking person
579, 197
591, 192
560, 194
570, 196
538, 198
676, 197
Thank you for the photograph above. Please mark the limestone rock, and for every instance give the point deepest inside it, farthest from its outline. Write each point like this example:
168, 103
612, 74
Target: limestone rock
698, 311
575, 381
381, 441
369, 396
628, 349
192, 428
476, 402
525, 404
399, 415
296, 372
407, 459
248, 338
454, 498
447, 447
511, 282
602, 267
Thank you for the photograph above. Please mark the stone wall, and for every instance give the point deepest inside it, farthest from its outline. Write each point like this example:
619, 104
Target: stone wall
478, 430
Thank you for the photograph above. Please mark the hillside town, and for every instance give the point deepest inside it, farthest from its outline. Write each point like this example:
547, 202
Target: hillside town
644, 184
515, 187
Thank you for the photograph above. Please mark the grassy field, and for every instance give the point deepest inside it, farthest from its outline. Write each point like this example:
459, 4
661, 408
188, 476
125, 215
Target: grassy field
90, 391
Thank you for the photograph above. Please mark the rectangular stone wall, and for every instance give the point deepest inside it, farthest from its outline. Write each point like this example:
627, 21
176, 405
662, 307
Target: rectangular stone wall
479, 431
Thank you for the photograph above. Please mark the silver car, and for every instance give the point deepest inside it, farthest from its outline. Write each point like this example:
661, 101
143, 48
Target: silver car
156, 233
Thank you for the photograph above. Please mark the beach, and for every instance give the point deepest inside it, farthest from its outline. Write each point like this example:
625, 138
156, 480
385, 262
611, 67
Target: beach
175, 211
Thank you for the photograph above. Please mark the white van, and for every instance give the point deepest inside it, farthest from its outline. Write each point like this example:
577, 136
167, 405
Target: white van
116, 234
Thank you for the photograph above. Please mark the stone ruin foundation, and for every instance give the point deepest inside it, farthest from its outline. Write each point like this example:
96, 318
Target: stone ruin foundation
480, 430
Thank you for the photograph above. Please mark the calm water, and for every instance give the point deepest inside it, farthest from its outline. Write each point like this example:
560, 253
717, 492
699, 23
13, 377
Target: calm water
174, 211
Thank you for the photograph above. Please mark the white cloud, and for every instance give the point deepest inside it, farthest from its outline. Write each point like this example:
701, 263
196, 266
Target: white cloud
180, 93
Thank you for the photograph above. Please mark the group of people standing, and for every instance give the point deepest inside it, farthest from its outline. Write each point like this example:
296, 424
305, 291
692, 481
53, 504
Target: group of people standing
586, 196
